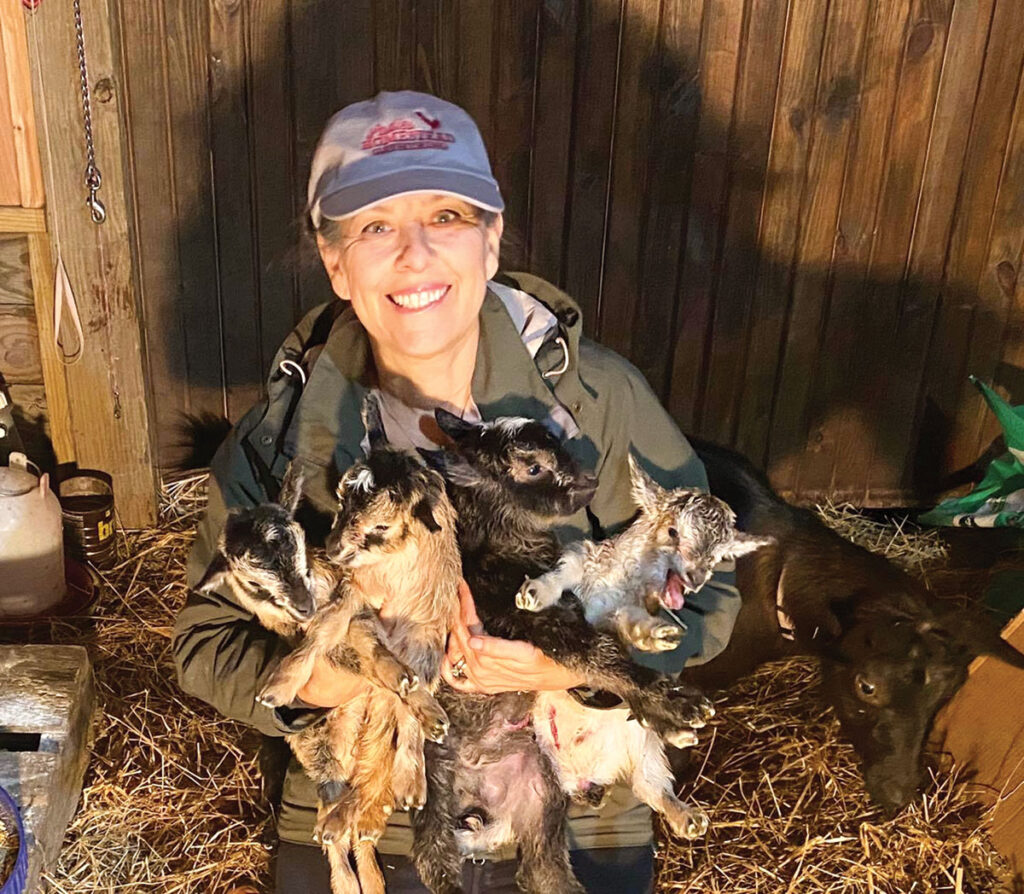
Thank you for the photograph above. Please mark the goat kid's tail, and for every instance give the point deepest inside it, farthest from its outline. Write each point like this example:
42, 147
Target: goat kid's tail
371, 879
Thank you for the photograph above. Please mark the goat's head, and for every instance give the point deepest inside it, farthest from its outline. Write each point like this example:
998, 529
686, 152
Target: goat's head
261, 554
887, 675
693, 529
385, 504
517, 462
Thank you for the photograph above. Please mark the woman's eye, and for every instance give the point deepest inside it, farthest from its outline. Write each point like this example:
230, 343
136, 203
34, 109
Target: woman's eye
375, 227
447, 216
534, 470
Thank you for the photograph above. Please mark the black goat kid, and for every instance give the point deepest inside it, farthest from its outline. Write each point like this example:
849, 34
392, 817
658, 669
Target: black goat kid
490, 784
891, 655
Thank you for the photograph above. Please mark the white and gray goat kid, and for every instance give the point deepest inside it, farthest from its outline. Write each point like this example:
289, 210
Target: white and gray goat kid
670, 550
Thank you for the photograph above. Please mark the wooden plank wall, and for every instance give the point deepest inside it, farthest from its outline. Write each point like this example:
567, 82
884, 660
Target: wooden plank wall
802, 220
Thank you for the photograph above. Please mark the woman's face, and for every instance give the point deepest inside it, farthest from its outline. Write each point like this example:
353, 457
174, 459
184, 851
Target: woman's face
415, 269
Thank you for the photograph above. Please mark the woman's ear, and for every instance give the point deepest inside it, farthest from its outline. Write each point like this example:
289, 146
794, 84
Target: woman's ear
493, 236
330, 254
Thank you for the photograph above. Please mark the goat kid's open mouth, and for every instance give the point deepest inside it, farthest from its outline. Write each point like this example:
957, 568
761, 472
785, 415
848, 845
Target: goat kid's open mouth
672, 597
414, 300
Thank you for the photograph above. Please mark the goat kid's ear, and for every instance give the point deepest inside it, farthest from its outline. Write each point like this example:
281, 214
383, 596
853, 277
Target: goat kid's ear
746, 543
372, 421
453, 468
424, 511
452, 425
214, 575
291, 488
646, 491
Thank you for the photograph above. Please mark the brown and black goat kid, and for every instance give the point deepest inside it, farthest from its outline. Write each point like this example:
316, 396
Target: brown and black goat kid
490, 783
891, 656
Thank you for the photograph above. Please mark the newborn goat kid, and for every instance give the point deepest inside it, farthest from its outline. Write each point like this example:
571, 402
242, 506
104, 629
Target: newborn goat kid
623, 582
491, 784
394, 540
673, 545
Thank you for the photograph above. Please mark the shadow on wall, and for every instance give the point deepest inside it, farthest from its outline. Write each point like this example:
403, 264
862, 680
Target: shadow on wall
721, 241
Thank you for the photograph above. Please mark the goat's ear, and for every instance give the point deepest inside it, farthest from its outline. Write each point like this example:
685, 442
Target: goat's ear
980, 636
452, 467
424, 511
372, 421
214, 575
746, 543
452, 425
291, 487
646, 491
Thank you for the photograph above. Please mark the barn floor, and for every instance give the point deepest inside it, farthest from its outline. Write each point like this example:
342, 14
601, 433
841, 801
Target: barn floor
173, 802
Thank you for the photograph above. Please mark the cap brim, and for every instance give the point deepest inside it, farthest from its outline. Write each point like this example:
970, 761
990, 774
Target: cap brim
355, 197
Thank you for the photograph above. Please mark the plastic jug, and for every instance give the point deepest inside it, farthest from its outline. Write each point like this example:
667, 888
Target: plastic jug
31, 542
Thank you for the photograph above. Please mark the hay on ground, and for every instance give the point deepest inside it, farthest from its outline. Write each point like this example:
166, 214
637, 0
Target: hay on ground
172, 800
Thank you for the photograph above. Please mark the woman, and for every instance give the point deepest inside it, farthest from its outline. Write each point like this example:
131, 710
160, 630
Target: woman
408, 223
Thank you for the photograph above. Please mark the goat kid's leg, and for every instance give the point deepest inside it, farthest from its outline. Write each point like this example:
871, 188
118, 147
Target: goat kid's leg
366, 638
542, 592
371, 879
652, 783
435, 851
343, 877
427, 710
409, 777
543, 844
646, 632
328, 627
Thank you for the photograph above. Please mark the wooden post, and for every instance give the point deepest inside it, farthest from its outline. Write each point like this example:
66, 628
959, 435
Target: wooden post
107, 389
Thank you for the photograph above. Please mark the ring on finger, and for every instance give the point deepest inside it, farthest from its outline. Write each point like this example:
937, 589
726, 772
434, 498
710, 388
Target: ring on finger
459, 668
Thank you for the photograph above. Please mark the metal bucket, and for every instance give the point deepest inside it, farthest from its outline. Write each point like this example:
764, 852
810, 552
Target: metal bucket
87, 506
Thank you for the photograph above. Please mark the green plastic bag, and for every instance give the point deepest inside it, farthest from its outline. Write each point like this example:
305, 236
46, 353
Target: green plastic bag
998, 499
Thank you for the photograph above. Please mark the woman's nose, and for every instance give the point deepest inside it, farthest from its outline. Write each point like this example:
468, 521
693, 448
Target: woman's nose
415, 249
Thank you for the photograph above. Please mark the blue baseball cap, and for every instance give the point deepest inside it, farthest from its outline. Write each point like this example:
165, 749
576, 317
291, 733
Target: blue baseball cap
395, 144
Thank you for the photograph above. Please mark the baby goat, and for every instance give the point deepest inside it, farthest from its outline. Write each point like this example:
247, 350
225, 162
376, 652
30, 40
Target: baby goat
394, 594
671, 549
673, 545
490, 783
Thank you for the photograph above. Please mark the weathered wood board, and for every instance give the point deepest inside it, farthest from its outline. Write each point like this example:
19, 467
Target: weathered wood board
45, 692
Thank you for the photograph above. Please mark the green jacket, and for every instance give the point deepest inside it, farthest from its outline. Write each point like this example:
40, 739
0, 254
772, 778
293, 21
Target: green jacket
223, 656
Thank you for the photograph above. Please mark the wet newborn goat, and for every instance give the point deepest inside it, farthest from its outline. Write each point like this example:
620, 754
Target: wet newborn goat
623, 582
490, 783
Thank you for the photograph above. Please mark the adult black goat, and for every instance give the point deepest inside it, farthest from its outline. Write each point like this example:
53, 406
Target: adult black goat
891, 655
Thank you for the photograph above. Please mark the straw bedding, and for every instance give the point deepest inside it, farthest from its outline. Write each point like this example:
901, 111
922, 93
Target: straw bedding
173, 802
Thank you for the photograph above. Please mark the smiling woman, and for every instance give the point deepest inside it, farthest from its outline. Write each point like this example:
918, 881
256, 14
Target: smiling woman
407, 218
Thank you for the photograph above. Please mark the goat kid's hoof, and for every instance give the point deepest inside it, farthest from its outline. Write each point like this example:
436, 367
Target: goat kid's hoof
272, 697
407, 684
684, 738
663, 638
692, 824
528, 597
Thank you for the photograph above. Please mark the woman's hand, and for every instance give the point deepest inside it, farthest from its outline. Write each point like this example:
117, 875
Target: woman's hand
329, 686
495, 665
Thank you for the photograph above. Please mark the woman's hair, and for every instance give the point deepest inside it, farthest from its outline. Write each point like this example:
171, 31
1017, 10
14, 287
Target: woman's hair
330, 230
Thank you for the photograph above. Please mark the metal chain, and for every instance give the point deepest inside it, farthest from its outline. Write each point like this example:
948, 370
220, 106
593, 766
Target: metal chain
93, 180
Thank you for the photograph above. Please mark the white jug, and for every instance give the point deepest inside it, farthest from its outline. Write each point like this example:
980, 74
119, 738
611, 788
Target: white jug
31, 542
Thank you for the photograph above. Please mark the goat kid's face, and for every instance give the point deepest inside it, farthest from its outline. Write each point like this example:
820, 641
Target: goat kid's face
263, 552
385, 504
520, 461
695, 530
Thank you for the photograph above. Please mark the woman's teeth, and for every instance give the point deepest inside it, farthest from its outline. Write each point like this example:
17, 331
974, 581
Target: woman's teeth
416, 300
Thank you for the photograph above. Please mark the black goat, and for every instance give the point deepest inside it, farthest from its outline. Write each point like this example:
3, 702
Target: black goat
490, 783
891, 655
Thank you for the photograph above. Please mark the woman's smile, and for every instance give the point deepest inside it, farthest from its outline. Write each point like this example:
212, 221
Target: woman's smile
420, 297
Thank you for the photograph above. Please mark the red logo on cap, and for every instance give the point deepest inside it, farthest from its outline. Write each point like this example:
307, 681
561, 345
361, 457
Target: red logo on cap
402, 133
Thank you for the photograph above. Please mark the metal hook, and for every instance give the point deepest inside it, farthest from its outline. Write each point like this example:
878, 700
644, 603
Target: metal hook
96, 209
